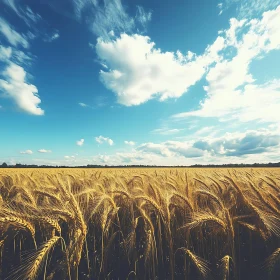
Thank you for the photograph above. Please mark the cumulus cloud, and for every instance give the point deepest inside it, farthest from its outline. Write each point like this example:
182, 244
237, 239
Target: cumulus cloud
28, 152
172, 149
240, 144
100, 139
13, 37
104, 159
16, 87
119, 158
130, 143
138, 71
229, 145
262, 145
80, 142
232, 91
44, 151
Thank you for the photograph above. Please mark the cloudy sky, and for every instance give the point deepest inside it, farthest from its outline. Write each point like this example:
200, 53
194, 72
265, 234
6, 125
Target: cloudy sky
137, 82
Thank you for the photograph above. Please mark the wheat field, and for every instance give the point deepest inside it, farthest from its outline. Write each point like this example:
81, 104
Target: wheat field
169, 223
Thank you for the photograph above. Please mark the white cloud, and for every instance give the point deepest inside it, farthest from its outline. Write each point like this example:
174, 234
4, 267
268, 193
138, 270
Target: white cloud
139, 72
44, 151
112, 33
11, 35
142, 16
204, 130
30, 17
24, 13
112, 16
130, 143
15, 86
22, 58
166, 131
100, 139
232, 91
104, 18
50, 38
220, 7
70, 157
80, 142
172, 149
83, 104
104, 159
252, 8
5, 53
28, 152
230, 147
262, 145
240, 144
37, 26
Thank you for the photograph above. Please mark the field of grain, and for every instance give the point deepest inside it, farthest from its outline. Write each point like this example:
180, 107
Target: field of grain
172, 223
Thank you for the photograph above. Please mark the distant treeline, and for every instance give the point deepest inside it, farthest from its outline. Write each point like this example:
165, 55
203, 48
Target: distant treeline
233, 165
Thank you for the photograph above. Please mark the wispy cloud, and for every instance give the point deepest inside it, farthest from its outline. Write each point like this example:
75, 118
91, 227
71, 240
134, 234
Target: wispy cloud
252, 8
220, 7
166, 131
205, 130
101, 139
28, 152
104, 17
16, 87
142, 16
69, 157
83, 104
80, 142
111, 16
5, 53
24, 12
37, 26
50, 38
8, 54
13, 37
22, 58
130, 143
44, 151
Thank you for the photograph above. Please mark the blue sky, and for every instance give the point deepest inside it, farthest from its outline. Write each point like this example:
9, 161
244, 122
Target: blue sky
137, 82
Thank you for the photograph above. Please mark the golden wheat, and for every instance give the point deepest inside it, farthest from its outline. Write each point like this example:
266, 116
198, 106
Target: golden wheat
132, 223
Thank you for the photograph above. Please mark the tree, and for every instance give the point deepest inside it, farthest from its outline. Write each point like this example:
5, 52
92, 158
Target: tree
4, 165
